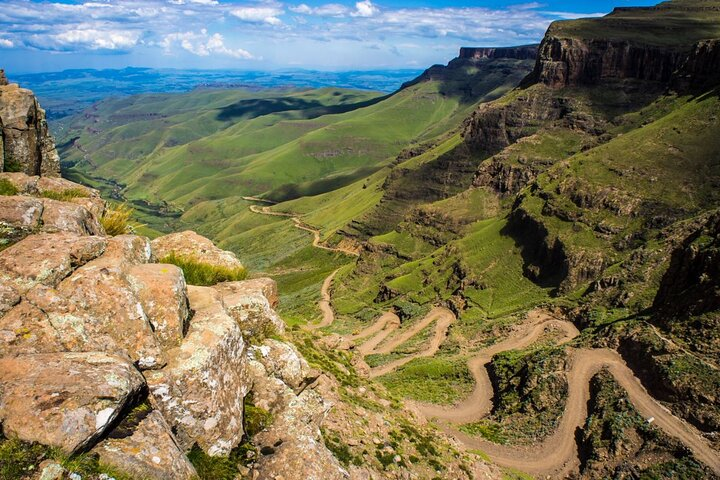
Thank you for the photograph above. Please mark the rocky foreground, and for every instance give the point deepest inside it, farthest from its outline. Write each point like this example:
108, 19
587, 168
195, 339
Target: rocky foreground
104, 350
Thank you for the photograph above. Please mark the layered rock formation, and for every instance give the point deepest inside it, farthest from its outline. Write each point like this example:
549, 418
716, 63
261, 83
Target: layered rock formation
523, 52
26, 145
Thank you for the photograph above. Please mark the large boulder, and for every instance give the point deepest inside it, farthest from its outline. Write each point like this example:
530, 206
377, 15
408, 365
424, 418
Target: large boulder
201, 391
162, 292
66, 400
250, 303
143, 446
29, 214
47, 259
36, 186
189, 244
100, 300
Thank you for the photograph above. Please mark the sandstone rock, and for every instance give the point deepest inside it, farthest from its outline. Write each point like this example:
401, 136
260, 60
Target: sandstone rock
64, 399
144, 446
102, 303
20, 212
283, 361
162, 293
69, 217
27, 145
3, 78
9, 297
249, 303
201, 391
26, 329
51, 470
191, 245
46, 259
40, 186
307, 457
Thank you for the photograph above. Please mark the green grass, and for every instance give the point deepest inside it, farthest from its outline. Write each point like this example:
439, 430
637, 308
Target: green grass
485, 429
7, 188
204, 274
435, 380
21, 460
65, 195
116, 220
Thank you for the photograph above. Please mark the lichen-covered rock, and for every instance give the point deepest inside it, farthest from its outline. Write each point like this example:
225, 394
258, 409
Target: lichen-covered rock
201, 391
250, 303
283, 361
69, 217
51, 186
143, 446
46, 259
64, 399
101, 301
306, 457
27, 329
21, 212
162, 292
189, 244
27, 145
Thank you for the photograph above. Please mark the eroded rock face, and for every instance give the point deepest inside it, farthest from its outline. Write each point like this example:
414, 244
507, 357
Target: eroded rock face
201, 391
162, 292
250, 303
64, 399
144, 447
189, 244
27, 145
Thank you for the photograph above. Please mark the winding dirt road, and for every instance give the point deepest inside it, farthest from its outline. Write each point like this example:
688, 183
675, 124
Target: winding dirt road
317, 241
479, 403
443, 318
324, 304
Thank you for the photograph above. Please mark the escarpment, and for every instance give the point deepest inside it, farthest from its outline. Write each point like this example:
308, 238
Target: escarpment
26, 145
523, 52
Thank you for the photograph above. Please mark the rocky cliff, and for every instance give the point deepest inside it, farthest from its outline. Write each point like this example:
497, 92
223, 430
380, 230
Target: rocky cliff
523, 52
26, 145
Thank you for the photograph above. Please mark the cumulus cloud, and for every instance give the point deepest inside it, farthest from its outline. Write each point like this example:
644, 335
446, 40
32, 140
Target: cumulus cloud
263, 14
365, 9
94, 39
119, 26
203, 44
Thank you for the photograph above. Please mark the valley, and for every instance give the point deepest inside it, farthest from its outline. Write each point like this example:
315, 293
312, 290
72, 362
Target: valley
507, 268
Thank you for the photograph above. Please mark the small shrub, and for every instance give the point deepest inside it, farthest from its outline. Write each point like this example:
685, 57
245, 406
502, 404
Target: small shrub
65, 195
7, 188
204, 274
490, 431
221, 468
256, 419
116, 221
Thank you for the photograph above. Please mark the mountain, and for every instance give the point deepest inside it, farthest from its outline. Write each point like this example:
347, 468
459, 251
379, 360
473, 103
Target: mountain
520, 246
125, 358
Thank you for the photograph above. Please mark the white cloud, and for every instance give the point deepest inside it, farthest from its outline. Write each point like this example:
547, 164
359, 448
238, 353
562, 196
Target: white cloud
5, 43
365, 9
265, 14
94, 39
203, 44
302, 8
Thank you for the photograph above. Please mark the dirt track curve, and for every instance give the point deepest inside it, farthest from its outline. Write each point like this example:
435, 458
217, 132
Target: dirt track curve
317, 241
557, 455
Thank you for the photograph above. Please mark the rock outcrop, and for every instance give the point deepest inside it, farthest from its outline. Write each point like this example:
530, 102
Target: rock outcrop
26, 144
104, 350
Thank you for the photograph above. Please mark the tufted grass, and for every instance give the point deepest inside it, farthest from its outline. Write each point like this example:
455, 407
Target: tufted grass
7, 188
204, 274
116, 220
65, 195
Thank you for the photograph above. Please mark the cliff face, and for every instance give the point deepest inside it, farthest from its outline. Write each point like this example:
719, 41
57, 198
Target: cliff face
701, 69
569, 62
523, 52
26, 144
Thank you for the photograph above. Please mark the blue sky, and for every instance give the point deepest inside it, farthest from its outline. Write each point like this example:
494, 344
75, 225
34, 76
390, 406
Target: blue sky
268, 34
